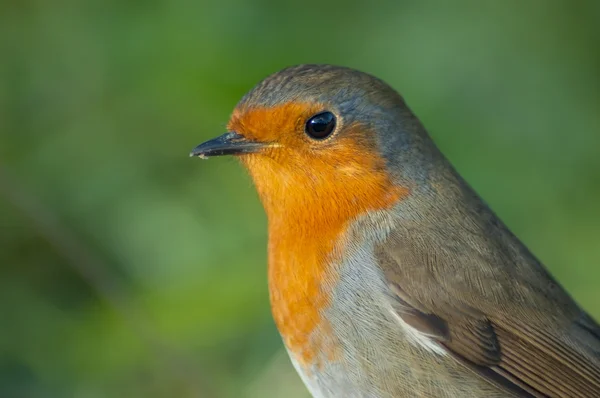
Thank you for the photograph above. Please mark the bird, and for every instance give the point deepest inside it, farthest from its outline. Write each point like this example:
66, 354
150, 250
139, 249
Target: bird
388, 275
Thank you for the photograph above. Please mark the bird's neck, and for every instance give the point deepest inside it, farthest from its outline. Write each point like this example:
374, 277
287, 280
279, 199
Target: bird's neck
307, 222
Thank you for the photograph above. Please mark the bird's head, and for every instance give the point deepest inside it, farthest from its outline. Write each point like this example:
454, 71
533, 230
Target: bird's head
323, 139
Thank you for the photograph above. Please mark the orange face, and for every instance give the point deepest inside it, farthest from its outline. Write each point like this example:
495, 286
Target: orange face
311, 190
295, 170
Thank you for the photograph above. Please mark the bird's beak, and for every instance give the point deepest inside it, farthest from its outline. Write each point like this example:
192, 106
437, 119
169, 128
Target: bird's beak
227, 144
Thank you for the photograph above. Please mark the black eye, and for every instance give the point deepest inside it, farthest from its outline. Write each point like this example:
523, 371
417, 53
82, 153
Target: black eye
321, 125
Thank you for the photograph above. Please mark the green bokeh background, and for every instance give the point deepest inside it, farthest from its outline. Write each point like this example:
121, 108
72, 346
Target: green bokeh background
128, 269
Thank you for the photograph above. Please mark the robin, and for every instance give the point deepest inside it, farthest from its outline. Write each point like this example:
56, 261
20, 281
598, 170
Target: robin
388, 275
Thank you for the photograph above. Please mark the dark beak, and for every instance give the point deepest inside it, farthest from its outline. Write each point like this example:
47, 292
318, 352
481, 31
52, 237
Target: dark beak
227, 144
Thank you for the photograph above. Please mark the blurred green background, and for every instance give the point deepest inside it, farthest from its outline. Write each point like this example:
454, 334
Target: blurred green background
128, 269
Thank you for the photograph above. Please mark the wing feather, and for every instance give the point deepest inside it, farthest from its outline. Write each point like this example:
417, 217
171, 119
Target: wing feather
527, 350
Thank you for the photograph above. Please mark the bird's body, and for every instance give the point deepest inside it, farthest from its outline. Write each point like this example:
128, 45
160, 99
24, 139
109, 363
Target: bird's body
388, 275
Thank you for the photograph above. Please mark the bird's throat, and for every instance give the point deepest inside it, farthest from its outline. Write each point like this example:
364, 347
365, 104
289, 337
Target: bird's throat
306, 241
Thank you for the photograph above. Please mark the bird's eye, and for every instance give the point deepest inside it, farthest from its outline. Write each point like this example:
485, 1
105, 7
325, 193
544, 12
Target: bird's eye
321, 125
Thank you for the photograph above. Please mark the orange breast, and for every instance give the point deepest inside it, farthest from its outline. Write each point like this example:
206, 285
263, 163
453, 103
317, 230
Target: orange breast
310, 197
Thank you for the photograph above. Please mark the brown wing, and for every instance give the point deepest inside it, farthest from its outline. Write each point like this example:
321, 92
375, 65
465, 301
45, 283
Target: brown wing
514, 327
